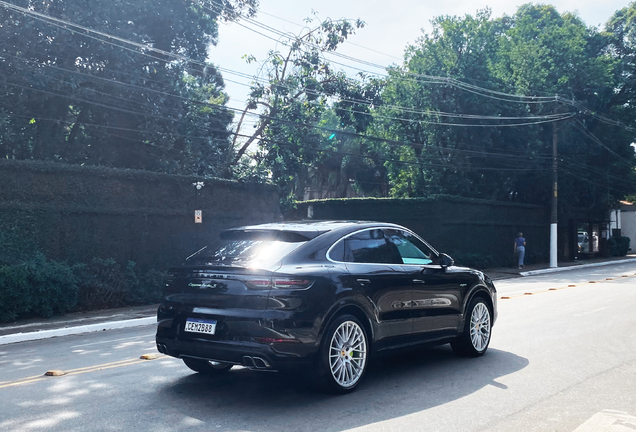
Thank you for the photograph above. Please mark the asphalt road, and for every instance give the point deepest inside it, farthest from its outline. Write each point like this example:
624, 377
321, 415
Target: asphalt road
557, 359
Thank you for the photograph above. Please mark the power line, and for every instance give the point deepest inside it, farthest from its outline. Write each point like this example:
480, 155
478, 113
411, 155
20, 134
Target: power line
533, 119
326, 151
546, 118
578, 177
63, 24
451, 81
580, 126
347, 41
591, 169
559, 116
142, 113
480, 90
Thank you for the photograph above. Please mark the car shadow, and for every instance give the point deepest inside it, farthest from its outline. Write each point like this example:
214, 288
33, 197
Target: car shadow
395, 385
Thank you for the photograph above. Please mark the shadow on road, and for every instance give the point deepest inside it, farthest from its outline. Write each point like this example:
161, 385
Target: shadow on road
396, 385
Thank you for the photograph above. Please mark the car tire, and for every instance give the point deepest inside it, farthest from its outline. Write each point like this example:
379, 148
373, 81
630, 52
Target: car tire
474, 340
343, 356
206, 367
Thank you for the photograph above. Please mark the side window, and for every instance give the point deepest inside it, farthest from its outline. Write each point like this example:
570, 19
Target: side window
411, 249
337, 251
370, 246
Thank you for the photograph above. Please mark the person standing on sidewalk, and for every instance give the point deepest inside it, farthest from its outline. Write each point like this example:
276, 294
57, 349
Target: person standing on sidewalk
520, 249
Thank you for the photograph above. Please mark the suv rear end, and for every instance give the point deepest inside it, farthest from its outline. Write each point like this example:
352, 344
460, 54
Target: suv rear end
239, 306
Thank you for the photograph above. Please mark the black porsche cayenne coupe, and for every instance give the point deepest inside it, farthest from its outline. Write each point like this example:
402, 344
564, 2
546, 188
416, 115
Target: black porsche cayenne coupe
320, 295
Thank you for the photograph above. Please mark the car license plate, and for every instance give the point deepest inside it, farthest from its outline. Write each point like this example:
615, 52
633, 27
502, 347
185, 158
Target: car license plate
194, 325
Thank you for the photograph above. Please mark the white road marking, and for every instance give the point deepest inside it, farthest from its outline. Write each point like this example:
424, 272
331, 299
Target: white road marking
609, 421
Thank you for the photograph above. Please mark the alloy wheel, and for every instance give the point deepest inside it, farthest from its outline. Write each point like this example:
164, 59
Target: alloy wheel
347, 354
480, 326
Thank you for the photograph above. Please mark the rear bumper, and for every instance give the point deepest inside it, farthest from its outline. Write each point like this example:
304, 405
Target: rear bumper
250, 354
268, 340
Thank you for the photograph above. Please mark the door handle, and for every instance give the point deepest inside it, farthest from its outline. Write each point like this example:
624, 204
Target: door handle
418, 281
364, 281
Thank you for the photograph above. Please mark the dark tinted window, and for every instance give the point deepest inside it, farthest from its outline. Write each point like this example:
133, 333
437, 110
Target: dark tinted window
337, 251
250, 253
370, 246
411, 249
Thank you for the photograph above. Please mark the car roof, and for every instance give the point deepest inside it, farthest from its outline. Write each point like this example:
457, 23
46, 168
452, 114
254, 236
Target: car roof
307, 229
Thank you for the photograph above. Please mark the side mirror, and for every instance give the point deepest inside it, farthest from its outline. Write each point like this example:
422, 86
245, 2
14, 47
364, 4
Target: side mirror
445, 261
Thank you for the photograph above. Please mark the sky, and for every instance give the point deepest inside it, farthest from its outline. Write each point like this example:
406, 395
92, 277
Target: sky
390, 27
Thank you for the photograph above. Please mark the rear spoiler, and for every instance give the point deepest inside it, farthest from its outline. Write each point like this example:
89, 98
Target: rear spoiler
268, 234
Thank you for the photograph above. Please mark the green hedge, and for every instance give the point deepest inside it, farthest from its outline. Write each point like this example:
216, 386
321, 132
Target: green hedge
619, 246
36, 287
74, 213
83, 238
105, 283
475, 232
41, 287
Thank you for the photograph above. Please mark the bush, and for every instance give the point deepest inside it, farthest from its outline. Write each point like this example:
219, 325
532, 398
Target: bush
36, 287
14, 292
147, 289
104, 283
475, 260
619, 246
15, 246
41, 287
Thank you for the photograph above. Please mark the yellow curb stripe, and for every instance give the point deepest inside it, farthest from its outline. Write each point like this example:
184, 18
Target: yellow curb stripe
11, 384
26, 378
77, 371
103, 364
99, 368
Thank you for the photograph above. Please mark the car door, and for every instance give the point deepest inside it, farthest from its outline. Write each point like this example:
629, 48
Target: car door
436, 291
374, 268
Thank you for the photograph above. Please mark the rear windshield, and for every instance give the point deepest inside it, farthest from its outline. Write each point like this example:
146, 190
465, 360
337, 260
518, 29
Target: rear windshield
249, 253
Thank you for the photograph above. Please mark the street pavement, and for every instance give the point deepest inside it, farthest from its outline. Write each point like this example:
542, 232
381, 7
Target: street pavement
562, 359
110, 319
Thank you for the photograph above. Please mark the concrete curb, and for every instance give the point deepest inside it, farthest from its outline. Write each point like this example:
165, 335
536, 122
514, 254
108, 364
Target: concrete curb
45, 334
574, 267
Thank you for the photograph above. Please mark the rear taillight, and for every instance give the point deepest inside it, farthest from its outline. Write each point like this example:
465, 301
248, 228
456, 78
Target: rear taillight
257, 282
254, 282
291, 283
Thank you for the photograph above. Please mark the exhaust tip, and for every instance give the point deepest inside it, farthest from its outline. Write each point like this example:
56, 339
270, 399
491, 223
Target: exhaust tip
248, 362
260, 363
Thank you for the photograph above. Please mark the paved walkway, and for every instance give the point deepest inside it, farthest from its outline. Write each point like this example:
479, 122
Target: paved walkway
84, 322
532, 269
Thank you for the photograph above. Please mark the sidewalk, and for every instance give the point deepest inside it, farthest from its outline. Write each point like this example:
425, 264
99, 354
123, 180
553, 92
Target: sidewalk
76, 323
533, 269
107, 319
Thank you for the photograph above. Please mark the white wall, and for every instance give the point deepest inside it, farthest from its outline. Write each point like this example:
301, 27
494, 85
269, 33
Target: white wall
628, 227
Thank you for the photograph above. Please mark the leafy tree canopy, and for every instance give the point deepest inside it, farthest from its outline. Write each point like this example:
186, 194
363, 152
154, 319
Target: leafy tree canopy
119, 83
475, 102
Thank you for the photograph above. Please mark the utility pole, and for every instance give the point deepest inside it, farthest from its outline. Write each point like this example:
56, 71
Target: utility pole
554, 216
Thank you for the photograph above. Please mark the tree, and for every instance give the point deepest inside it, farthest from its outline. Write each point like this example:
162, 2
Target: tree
449, 102
299, 87
449, 131
123, 83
